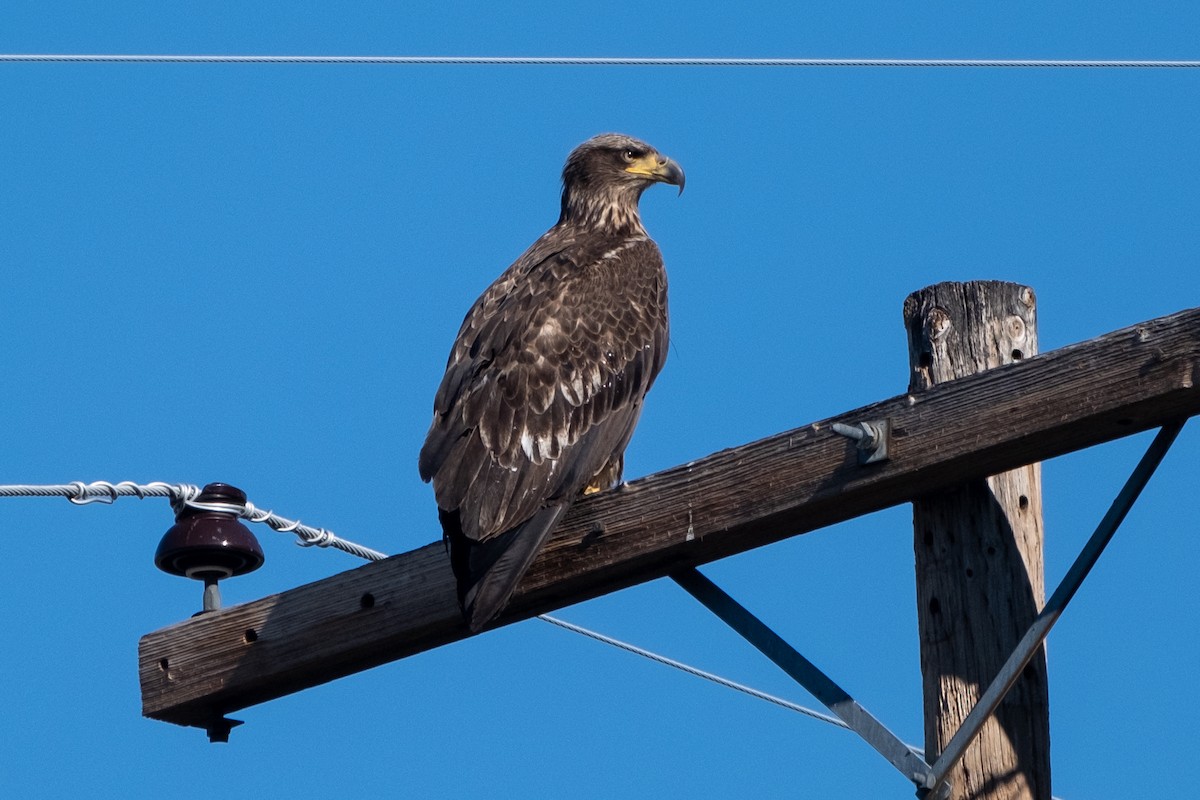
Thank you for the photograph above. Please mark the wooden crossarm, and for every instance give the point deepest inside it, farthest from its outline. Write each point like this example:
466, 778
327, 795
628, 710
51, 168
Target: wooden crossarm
196, 671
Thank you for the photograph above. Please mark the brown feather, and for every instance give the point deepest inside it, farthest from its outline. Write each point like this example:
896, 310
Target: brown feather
545, 381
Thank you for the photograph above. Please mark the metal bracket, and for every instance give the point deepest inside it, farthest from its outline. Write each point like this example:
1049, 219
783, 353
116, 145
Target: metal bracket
218, 729
872, 438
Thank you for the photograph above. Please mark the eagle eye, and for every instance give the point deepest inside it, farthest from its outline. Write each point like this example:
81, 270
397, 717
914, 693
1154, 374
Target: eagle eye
628, 154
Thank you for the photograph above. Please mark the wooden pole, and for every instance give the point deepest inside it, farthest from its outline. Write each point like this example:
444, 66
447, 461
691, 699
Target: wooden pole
978, 551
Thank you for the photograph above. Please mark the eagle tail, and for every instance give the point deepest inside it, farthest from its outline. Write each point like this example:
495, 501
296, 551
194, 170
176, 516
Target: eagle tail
488, 572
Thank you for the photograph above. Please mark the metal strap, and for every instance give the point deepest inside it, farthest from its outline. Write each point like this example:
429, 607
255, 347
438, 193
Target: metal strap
807, 674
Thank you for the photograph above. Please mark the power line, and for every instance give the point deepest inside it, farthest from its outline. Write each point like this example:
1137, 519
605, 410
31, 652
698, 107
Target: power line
690, 670
600, 61
183, 495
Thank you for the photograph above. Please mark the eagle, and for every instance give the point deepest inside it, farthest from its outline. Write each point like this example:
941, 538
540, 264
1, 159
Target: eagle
545, 381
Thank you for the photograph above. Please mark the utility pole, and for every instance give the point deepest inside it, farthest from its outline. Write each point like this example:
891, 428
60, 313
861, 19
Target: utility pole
978, 549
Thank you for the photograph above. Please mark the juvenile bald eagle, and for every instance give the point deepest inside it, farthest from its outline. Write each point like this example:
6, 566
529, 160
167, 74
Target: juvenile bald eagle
545, 382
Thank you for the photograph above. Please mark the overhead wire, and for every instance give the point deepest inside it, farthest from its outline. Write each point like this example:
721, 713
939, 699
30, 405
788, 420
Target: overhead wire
183, 495
690, 670
599, 61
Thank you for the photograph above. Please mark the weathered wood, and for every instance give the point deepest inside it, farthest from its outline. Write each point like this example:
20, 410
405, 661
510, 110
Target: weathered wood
729, 502
978, 548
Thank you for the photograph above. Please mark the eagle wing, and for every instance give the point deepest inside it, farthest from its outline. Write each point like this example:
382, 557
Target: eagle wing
545, 382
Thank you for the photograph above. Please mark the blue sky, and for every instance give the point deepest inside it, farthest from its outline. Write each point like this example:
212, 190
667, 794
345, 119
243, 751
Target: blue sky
253, 274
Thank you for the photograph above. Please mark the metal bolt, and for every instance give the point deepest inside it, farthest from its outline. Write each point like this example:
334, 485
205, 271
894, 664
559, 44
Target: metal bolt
872, 438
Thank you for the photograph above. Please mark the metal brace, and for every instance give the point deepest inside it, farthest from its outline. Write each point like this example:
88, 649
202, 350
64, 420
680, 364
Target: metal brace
872, 438
807, 674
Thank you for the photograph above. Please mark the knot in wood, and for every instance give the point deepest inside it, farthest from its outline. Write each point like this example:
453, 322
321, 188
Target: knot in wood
1014, 328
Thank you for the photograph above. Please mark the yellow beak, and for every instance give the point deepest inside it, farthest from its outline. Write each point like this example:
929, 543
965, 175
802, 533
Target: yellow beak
658, 168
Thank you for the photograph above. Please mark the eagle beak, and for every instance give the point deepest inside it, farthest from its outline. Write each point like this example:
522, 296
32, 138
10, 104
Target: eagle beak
658, 168
672, 173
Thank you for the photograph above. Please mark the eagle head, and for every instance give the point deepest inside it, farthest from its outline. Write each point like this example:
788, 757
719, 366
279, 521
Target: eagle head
605, 176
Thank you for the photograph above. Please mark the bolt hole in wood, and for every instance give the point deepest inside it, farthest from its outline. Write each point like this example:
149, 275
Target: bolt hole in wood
1017, 355
163, 664
367, 600
250, 636
1023, 502
593, 534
